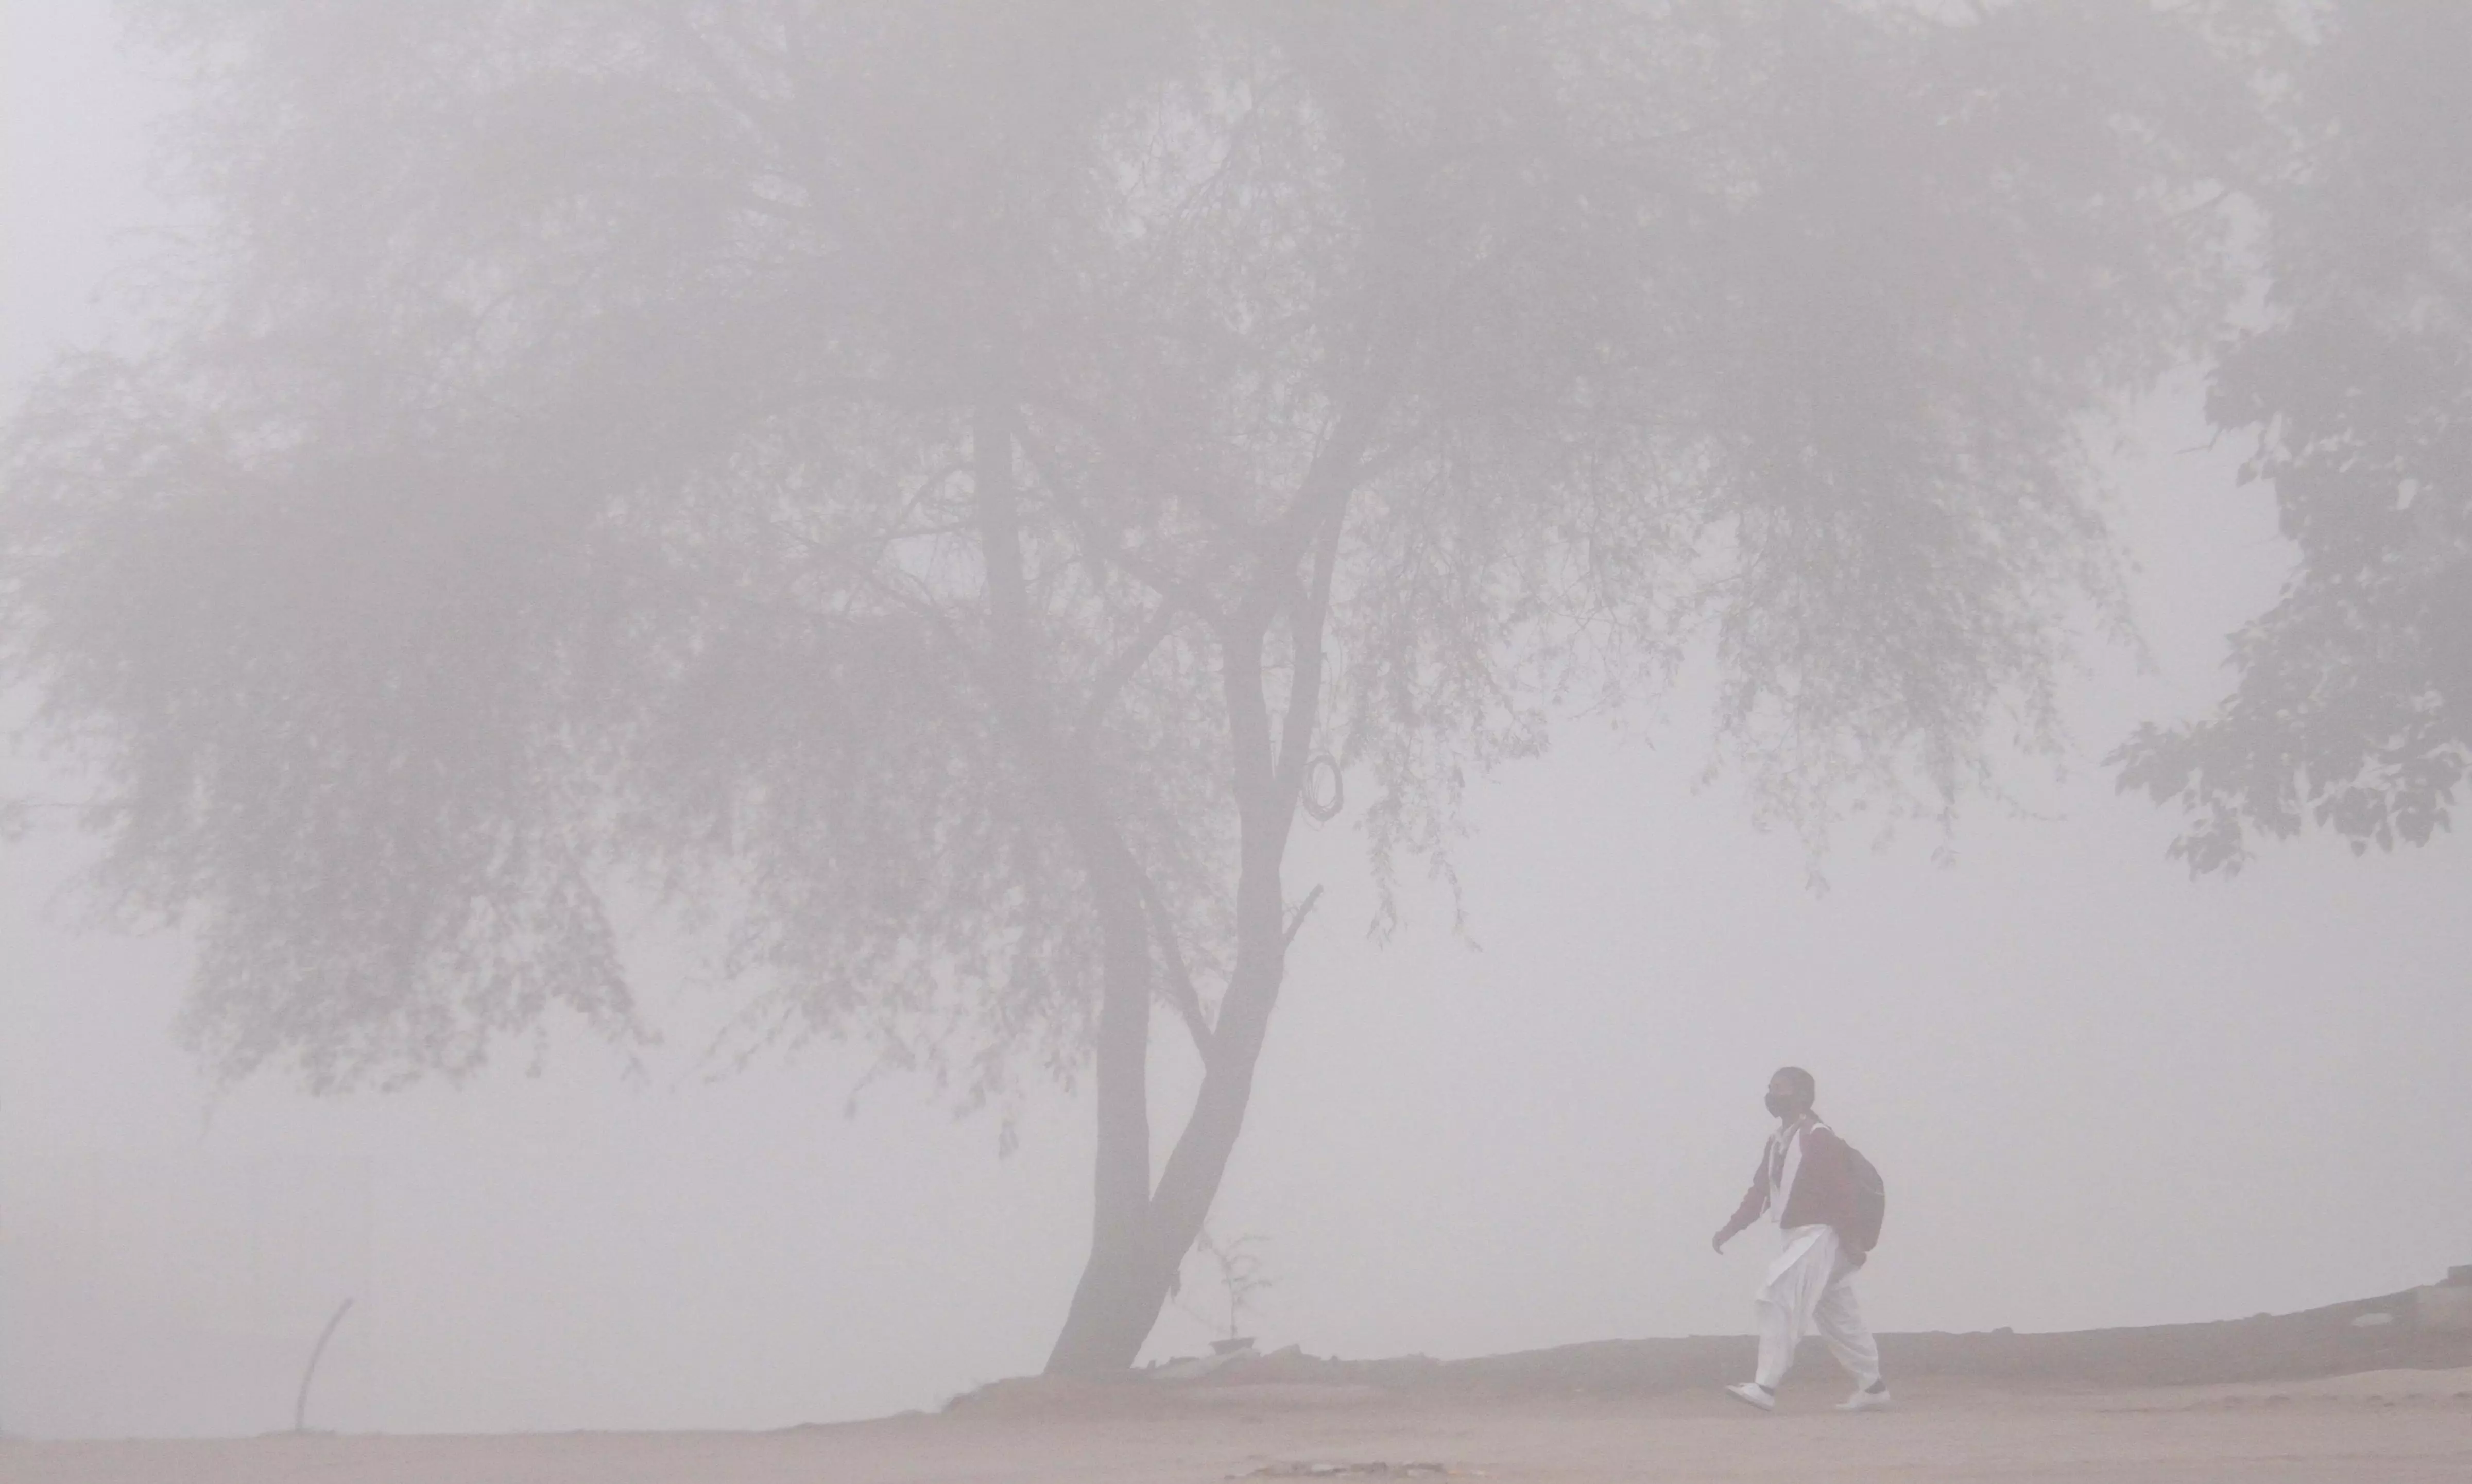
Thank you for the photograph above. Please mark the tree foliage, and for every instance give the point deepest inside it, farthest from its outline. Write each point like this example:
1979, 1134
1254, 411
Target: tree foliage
921, 482
2353, 703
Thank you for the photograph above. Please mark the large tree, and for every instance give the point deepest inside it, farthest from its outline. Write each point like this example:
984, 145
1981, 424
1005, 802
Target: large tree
2352, 707
923, 484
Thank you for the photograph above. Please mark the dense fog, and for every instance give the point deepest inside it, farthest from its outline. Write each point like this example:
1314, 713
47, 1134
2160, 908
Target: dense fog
738, 1172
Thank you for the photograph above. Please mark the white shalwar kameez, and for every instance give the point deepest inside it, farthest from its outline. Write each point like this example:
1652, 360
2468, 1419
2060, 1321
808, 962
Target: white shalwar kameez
1810, 1286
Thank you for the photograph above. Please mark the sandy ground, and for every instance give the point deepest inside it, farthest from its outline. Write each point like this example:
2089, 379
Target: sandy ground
2398, 1425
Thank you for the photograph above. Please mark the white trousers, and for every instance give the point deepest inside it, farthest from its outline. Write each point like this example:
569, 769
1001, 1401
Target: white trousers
1810, 1287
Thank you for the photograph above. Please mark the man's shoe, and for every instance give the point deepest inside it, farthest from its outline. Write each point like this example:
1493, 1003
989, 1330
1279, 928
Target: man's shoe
1873, 1398
1753, 1393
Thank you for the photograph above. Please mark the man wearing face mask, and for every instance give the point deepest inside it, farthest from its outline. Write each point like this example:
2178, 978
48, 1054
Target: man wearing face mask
1806, 1185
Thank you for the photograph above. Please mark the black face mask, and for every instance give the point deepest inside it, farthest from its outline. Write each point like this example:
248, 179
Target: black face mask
1778, 1107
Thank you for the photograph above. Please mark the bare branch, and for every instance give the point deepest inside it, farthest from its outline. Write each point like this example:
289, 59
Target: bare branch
1296, 918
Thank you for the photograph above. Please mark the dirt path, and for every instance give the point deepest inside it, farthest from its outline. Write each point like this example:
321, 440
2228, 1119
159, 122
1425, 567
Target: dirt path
2391, 1425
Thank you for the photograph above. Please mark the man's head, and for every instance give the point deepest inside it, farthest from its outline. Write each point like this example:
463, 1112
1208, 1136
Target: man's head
1790, 1093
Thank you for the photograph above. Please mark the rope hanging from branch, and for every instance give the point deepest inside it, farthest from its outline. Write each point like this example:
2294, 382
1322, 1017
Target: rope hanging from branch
1324, 792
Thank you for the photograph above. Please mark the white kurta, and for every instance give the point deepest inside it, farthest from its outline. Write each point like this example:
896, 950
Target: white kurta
1810, 1287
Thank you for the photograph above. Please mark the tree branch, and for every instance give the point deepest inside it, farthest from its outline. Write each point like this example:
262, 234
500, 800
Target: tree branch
1338, 467
1178, 990
1167, 585
1304, 682
1122, 670
758, 113
1296, 918
836, 550
1201, 496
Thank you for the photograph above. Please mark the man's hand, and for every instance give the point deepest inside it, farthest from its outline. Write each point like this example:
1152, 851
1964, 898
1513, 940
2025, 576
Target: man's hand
1723, 1236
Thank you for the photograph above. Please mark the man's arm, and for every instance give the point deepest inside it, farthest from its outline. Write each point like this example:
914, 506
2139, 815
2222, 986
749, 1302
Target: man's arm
1754, 1201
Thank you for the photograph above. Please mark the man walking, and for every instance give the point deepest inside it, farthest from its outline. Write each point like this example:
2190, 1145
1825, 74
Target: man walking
1805, 1184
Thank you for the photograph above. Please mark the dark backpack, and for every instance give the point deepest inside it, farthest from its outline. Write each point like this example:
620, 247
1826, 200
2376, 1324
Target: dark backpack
1871, 1202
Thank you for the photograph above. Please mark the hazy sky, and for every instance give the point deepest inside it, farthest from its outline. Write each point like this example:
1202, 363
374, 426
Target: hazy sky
2101, 1094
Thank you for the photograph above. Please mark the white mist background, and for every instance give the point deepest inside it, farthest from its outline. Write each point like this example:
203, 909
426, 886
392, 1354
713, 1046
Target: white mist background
2101, 1093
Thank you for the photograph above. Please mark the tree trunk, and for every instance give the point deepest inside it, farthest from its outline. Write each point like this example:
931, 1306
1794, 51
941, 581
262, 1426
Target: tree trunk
1113, 1309
1122, 1287
1138, 1239
1134, 1253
